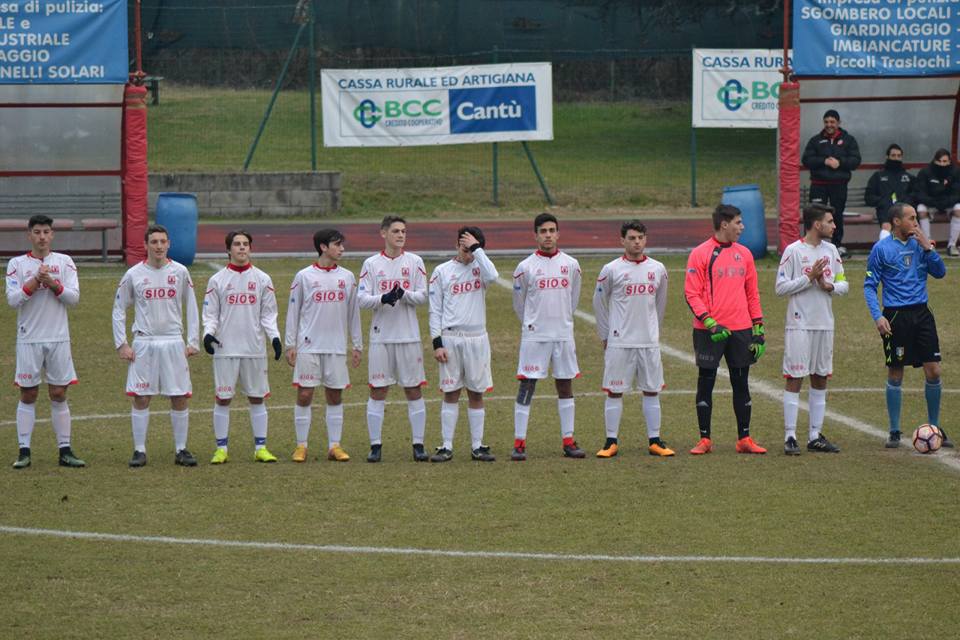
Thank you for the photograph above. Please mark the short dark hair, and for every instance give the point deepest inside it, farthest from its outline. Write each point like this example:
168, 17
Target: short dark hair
814, 212
898, 209
724, 212
831, 113
892, 147
155, 228
389, 220
543, 219
475, 232
327, 237
237, 232
40, 219
939, 153
632, 225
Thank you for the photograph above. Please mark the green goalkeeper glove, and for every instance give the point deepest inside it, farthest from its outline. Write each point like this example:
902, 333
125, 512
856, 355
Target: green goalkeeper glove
718, 332
757, 341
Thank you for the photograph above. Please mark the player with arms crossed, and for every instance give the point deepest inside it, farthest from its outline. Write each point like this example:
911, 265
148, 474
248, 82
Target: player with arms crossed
458, 326
901, 263
239, 310
721, 291
159, 289
546, 288
810, 273
41, 285
323, 307
629, 303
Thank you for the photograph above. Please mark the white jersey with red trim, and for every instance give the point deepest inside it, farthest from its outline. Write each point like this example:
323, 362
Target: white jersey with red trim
378, 276
458, 294
159, 297
546, 290
809, 306
629, 302
42, 315
323, 307
239, 310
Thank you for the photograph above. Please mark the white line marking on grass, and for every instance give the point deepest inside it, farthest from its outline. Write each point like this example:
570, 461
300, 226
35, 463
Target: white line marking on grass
454, 553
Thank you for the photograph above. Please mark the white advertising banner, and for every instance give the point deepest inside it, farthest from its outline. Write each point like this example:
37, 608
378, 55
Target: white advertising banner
446, 105
736, 88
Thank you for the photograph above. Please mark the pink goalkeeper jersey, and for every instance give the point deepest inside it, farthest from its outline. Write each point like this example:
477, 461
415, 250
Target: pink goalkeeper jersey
722, 283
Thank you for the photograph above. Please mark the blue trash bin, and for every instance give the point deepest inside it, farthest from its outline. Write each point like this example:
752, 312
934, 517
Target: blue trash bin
747, 198
178, 213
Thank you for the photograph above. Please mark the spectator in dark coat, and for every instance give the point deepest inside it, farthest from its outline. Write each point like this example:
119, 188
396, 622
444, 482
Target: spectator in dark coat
937, 188
888, 186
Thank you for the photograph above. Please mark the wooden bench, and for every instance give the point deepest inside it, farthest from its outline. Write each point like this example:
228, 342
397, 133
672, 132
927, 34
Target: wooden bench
856, 212
72, 212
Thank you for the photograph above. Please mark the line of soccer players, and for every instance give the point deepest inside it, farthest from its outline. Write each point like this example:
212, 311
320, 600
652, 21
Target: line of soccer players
240, 315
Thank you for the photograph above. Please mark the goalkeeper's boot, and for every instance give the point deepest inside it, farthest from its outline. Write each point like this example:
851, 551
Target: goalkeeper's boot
519, 450
482, 454
185, 459
374, 455
67, 459
747, 445
947, 442
442, 455
571, 450
610, 449
893, 441
790, 447
219, 456
659, 448
337, 454
704, 446
300, 453
822, 445
263, 455
23, 458
419, 453
139, 459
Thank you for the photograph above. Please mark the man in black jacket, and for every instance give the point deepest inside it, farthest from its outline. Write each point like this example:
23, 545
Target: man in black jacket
937, 188
888, 186
832, 155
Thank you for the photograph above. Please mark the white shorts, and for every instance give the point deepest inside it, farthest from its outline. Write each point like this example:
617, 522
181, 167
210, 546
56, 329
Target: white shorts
321, 370
53, 358
396, 363
467, 365
537, 358
807, 353
159, 369
251, 372
622, 365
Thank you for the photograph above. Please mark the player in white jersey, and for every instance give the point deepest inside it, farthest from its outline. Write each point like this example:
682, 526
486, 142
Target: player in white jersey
323, 308
546, 289
41, 284
458, 326
394, 283
160, 291
810, 273
239, 311
629, 303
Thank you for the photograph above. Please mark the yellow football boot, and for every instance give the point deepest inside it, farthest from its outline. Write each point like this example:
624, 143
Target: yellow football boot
300, 453
337, 454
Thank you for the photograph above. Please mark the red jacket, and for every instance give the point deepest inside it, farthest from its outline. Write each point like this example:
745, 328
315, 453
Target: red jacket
721, 283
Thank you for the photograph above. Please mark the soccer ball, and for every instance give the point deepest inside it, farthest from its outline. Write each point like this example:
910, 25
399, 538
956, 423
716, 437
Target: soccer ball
927, 438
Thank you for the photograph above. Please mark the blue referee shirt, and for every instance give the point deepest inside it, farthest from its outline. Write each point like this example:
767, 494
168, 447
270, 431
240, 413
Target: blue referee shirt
902, 268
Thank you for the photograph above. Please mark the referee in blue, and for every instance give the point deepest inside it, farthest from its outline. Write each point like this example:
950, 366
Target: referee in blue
901, 263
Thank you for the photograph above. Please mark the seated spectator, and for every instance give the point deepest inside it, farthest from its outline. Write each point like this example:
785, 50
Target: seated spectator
937, 188
888, 186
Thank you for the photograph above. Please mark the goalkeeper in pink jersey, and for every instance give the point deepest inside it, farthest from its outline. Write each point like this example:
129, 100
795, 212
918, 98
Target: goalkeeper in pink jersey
721, 291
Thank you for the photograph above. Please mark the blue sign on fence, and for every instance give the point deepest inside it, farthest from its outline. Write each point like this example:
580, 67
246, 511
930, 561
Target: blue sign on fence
876, 37
63, 42
493, 109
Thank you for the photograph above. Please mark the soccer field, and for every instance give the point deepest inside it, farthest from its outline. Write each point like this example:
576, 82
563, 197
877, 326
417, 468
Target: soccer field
857, 545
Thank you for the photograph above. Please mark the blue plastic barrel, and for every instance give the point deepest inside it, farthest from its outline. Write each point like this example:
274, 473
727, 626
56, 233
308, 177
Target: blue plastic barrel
178, 213
747, 198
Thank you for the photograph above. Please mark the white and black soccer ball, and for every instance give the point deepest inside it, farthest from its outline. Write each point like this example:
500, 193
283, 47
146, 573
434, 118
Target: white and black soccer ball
927, 438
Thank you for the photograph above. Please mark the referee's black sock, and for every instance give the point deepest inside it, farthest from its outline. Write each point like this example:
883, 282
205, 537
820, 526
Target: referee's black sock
705, 382
742, 407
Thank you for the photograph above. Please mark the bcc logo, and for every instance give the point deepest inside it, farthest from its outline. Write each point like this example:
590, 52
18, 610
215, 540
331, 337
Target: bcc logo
368, 114
733, 94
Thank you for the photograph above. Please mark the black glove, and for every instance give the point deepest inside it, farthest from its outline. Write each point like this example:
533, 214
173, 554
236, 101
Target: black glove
399, 291
277, 348
208, 341
389, 298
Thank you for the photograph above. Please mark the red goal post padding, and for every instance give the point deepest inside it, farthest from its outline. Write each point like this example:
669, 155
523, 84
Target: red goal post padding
135, 175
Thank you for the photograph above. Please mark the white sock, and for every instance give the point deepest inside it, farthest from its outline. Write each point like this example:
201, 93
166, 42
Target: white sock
180, 421
221, 425
925, 226
818, 407
258, 422
954, 230
417, 412
60, 417
612, 412
521, 416
301, 422
334, 424
883, 233
449, 414
791, 407
651, 413
26, 418
476, 417
566, 407
375, 420
139, 421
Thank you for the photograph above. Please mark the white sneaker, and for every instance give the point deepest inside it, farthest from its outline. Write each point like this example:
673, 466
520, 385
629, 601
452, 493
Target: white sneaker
953, 251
